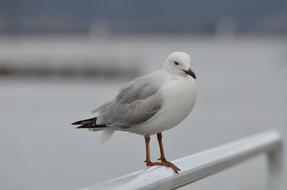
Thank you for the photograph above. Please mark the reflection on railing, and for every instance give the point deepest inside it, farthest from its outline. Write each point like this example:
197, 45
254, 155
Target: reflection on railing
206, 163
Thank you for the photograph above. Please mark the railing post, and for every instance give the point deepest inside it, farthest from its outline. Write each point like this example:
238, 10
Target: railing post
275, 165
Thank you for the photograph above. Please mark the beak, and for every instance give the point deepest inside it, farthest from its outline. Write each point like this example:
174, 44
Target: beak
190, 73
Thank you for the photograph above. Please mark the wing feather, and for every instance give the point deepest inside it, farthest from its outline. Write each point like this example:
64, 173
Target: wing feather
136, 102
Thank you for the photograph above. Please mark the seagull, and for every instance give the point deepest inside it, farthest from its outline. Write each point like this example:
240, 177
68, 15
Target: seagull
149, 105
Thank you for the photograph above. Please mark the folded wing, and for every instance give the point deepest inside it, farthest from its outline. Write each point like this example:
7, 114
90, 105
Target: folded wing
136, 102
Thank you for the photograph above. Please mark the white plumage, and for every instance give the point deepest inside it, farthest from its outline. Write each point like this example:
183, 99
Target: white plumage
149, 104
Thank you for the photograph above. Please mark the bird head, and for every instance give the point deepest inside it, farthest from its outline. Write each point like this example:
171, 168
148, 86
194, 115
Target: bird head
178, 63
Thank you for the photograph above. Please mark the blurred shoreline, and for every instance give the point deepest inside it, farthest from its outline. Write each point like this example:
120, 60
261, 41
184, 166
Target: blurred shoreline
92, 57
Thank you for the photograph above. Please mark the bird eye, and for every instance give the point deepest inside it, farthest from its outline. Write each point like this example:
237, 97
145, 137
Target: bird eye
176, 63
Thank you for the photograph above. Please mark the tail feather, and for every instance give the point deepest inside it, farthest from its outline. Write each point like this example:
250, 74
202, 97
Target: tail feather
106, 135
88, 123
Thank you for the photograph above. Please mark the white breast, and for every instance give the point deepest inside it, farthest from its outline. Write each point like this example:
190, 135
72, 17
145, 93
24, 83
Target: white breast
179, 96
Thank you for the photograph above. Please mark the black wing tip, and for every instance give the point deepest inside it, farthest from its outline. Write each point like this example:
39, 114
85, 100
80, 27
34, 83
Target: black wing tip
76, 123
88, 124
82, 125
81, 122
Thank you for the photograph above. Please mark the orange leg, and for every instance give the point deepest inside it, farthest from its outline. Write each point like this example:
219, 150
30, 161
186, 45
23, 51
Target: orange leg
163, 162
162, 156
147, 139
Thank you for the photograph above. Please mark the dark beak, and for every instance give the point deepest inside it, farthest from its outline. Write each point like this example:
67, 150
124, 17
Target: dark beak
190, 73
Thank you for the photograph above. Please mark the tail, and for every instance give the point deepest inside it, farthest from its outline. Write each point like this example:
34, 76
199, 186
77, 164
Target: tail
88, 124
106, 134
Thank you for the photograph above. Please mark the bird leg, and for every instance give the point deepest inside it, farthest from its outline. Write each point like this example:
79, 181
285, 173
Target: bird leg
147, 139
162, 155
163, 162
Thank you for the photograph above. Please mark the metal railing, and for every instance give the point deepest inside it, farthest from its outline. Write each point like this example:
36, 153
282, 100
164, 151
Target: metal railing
206, 163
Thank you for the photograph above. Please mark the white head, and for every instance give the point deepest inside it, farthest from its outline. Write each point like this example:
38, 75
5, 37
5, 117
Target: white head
178, 63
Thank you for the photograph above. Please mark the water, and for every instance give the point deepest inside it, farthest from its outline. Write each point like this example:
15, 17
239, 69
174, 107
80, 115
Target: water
242, 91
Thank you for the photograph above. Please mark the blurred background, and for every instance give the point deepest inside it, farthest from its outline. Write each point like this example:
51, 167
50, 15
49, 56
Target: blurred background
59, 59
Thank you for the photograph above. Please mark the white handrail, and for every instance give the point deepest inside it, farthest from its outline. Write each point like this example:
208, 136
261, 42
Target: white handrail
206, 163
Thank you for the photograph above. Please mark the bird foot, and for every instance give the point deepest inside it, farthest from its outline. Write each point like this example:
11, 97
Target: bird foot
164, 163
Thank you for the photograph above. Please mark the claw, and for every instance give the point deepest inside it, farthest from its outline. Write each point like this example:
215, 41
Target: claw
171, 165
164, 163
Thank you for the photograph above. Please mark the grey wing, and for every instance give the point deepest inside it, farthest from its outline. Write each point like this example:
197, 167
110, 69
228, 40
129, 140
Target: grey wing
136, 102
139, 88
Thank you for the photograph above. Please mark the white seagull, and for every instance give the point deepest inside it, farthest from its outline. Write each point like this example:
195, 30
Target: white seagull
150, 105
